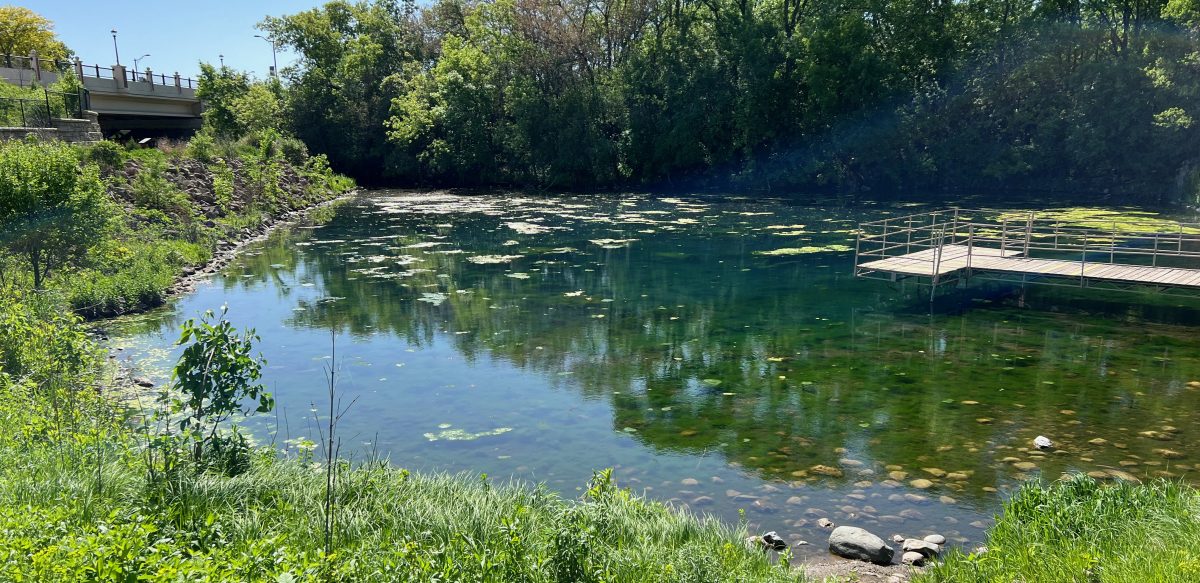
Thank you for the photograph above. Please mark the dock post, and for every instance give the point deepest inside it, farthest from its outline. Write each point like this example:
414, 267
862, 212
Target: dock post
1003, 237
1083, 259
908, 237
1112, 245
970, 247
937, 264
1028, 233
857, 246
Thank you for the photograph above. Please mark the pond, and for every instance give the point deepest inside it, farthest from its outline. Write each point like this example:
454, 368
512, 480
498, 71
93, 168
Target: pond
542, 338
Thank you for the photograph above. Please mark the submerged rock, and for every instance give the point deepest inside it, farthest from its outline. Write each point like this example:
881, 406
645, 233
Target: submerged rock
855, 543
824, 523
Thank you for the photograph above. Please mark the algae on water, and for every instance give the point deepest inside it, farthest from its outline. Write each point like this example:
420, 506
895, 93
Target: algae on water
786, 251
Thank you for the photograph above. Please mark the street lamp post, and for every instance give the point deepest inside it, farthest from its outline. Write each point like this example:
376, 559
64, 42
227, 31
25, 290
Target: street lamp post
115, 51
222, 57
135, 63
274, 58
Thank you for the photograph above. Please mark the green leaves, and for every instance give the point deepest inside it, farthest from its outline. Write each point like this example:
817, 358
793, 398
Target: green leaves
51, 210
215, 374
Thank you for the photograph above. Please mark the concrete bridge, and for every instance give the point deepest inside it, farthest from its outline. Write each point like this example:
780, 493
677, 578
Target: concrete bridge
129, 103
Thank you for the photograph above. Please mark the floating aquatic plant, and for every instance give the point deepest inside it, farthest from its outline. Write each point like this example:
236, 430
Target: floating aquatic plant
804, 250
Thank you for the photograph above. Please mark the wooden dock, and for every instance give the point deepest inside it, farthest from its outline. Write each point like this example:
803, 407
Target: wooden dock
956, 245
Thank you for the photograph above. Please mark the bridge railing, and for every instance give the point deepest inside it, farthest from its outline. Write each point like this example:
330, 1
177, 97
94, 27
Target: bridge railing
28, 62
40, 109
1047, 235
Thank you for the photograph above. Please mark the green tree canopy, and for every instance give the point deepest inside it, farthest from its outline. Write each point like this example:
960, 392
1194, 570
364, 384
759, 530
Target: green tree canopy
23, 31
51, 210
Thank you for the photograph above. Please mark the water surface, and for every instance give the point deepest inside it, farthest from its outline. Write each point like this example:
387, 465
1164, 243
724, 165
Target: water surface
544, 337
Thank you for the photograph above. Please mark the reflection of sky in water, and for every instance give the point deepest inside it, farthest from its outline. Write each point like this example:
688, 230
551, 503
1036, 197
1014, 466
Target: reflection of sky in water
543, 338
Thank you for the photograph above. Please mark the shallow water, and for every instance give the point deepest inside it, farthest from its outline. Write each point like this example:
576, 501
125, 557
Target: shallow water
542, 338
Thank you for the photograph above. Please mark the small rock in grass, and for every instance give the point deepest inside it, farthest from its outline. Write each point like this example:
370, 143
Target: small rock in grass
912, 558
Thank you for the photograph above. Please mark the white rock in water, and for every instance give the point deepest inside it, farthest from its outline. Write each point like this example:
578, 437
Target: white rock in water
936, 539
1043, 442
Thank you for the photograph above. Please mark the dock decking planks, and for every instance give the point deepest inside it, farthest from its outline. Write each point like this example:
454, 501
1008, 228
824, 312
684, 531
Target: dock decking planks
988, 259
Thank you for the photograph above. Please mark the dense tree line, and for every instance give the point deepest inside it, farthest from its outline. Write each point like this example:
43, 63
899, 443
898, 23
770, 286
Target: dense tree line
768, 95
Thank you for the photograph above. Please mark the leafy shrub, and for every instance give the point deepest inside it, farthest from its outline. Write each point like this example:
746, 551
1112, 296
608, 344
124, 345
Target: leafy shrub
223, 185
202, 147
293, 150
130, 275
215, 374
50, 211
42, 345
152, 190
105, 154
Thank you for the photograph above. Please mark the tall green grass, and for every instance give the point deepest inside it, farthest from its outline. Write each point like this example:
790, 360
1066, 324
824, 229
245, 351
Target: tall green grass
1079, 530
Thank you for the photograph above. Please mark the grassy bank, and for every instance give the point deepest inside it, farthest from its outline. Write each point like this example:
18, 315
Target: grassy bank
1081, 530
80, 500
128, 221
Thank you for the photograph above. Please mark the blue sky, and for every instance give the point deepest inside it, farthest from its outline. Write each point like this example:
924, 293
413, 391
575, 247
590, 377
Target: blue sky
178, 35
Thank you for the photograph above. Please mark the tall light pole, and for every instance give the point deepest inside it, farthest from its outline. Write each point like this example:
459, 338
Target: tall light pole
274, 58
222, 57
135, 61
115, 51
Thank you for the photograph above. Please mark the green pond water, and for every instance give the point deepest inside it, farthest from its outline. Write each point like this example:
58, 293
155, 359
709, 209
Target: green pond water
541, 338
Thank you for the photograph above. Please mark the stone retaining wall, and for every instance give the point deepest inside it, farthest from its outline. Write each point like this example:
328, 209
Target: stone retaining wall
84, 131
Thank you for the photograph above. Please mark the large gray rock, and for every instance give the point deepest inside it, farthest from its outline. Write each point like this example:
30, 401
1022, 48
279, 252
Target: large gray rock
855, 543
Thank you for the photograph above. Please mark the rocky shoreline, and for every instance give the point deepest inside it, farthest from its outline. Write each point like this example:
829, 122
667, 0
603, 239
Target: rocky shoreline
227, 249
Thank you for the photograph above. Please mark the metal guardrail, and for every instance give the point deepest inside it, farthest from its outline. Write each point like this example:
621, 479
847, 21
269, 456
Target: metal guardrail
41, 111
1030, 234
94, 70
